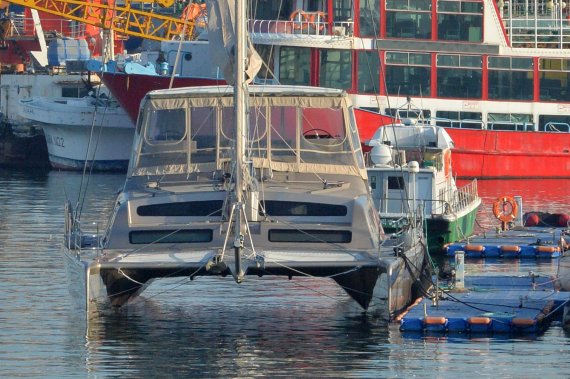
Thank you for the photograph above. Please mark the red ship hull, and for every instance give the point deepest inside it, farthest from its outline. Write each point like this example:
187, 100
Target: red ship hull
130, 89
490, 154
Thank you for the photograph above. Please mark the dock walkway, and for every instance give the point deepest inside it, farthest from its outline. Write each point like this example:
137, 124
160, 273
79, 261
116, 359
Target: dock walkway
519, 242
488, 305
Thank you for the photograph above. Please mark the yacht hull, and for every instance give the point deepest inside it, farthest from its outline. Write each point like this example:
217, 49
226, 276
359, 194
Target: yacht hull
385, 285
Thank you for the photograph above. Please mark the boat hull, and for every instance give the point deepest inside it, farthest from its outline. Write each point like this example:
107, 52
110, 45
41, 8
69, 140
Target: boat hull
446, 229
492, 154
129, 89
109, 149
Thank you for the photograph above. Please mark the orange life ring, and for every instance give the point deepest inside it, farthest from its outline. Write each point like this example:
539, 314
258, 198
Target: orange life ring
300, 19
501, 208
317, 20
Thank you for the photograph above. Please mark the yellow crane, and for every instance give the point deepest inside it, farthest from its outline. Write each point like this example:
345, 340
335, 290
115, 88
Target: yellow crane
122, 19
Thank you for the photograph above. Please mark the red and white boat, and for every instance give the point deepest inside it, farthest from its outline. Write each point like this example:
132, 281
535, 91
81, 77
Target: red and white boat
495, 74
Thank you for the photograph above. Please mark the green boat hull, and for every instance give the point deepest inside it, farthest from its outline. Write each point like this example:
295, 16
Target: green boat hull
441, 231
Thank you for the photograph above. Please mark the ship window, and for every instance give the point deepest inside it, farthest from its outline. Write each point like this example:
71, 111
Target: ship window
423, 5
460, 20
510, 78
510, 121
187, 208
554, 123
369, 18
310, 236
408, 24
296, 208
408, 113
408, 74
554, 77
459, 83
170, 236
368, 72
336, 69
395, 183
294, 65
459, 76
454, 119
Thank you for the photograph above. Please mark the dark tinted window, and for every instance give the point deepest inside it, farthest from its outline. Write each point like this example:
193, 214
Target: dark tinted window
170, 236
188, 208
294, 208
319, 236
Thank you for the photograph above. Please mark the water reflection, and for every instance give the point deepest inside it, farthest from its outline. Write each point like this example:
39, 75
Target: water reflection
238, 335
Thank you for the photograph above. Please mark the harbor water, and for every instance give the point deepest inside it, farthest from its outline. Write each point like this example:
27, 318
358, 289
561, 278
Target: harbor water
216, 328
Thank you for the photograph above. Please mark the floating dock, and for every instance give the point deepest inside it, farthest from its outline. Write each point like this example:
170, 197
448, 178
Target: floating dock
489, 305
519, 242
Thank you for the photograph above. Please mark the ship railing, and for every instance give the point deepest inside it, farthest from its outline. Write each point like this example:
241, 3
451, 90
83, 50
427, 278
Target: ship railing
317, 28
24, 26
463, 124
464, 196
535, 24
75, 238
560, 127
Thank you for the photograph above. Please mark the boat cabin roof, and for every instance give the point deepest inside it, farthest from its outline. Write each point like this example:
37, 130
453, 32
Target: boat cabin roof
290, 129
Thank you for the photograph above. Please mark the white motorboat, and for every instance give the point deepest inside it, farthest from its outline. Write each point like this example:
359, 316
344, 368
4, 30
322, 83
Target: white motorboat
411, 174
93, 129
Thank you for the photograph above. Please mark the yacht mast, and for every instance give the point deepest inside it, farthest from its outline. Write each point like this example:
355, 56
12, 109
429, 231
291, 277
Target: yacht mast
240, 98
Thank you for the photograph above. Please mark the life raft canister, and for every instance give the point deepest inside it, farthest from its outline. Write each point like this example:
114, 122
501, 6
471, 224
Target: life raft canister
505, 208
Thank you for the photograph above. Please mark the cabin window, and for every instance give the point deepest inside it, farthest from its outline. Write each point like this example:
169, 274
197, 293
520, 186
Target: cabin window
460, 20
459, 76
310, 236
454, 119
296, 208
408, 74
75, 92
166, 126
336, 68
554, 123
396, 183
170, 236
283, 137
510, 78
294, 65
203, 135
182, 209
510, 121
369, 18
368, 72
408, 19
554, 76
